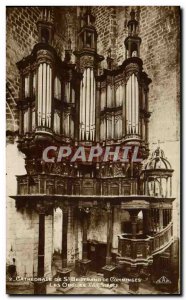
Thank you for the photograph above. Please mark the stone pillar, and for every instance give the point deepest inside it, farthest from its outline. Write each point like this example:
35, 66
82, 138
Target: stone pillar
109, 269
161, 218
40, 287
109, 234
85, 262
133, 217
84, 253
64, 237
64, 272
146, 228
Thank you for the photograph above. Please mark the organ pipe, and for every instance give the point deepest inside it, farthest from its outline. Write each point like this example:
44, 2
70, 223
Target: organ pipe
88, 100
87, 105
83, 106
34, 84
57, 88
39, 94
109, 93
33, 119
94, 109
44, 95
25, 118
132, 105
26, 86
92, 105
137, 105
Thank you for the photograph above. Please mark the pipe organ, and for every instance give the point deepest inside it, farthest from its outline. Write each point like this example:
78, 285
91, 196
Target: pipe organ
77, 102
73, 104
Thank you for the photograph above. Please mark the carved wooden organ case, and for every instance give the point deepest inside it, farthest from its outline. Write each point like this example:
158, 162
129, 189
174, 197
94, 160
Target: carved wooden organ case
69, 103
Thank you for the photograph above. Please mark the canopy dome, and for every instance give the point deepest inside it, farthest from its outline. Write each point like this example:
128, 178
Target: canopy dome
158, 161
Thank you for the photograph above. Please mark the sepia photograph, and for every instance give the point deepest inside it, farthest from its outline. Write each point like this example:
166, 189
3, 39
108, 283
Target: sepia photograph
93, 150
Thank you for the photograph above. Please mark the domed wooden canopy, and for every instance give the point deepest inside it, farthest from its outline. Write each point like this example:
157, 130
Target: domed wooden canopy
158, 161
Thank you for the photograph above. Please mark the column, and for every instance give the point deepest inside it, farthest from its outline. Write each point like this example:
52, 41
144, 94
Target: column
166, 195
134, 286
64, 237
170, 186
109, 233
109, 269
146, 131
85, 262
145, 221
161, 219
64, 271
40, 287
21, 121
124, 127
84, 253
133, 217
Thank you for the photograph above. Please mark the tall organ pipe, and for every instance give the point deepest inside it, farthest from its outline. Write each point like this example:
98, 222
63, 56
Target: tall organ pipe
44, 95
132, 105
87, 105
39, 94
91, 105
94, 102
137, 106
87, 102
83, 105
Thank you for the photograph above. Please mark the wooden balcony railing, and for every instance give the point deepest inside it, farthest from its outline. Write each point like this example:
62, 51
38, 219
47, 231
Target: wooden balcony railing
69, 184
162, 239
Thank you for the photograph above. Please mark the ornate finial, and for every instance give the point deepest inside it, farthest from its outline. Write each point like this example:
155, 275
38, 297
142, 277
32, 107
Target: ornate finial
132, 14
68, 51
88, 10
46, 15
45, 25
133, 41
109, 52
158, 153
69, 44
109, 59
